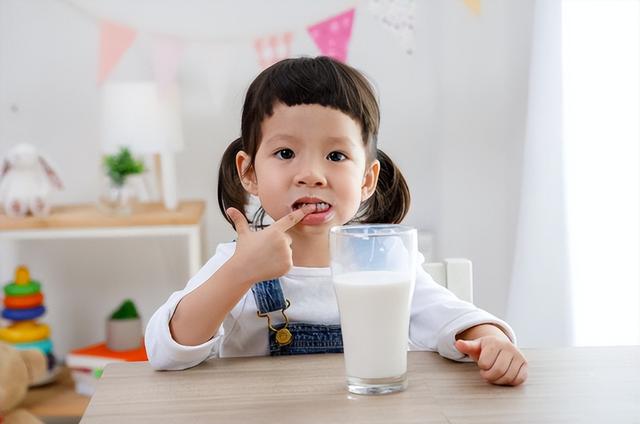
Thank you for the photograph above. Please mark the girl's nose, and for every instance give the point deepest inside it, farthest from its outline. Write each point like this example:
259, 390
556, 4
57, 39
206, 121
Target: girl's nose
310, 177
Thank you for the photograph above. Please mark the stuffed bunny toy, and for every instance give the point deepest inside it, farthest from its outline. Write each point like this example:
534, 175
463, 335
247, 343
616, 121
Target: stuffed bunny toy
26, 181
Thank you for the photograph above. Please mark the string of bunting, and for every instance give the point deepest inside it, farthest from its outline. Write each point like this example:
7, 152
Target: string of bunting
331, 36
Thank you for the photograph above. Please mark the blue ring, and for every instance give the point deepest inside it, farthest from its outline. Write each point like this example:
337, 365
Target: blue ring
23, 314
44, 345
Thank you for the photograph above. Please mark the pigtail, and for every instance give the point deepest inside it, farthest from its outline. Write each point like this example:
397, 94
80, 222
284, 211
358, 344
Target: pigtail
230, 190
390, 202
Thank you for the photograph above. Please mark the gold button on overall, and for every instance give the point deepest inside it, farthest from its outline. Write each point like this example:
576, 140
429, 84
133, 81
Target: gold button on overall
283, 337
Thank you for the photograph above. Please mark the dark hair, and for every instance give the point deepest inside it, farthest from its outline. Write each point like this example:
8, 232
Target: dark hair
326, 82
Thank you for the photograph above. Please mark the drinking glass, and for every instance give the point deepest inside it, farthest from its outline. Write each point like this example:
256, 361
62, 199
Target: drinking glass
373, 268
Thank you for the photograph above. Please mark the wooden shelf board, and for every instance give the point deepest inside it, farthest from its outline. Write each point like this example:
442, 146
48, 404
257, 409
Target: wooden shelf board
88, 216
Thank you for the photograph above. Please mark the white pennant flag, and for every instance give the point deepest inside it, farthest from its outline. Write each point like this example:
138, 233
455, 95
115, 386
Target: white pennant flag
167, 52
399, 17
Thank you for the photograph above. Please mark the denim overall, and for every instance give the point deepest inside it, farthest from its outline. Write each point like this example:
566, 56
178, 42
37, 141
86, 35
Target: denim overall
293, 338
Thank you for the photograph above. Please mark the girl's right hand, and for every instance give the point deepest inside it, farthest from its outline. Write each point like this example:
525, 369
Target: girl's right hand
266, 254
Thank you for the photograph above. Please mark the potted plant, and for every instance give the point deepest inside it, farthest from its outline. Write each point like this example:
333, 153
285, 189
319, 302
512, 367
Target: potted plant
118, 197
124, 328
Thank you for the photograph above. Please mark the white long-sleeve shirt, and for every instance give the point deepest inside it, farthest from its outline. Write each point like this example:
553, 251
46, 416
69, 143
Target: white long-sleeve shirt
437, 316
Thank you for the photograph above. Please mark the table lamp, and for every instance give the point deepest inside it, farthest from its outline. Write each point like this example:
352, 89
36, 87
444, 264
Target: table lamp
139, 116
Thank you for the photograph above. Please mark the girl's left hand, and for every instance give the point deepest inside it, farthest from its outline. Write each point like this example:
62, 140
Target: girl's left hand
499, 360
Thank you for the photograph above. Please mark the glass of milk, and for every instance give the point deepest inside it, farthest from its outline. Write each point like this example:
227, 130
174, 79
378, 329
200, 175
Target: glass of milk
374, 270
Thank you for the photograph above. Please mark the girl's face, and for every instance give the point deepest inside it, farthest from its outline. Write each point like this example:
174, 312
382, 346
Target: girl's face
310, 154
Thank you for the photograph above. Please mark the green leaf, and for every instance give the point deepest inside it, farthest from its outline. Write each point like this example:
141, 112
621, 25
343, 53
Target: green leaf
121, 165
126, 311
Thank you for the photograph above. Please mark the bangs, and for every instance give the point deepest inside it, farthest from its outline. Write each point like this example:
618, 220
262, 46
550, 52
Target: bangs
322, 81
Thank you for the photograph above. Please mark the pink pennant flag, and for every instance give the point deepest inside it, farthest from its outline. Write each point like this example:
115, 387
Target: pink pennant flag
167, 52
273, 48
332, 35
115, 39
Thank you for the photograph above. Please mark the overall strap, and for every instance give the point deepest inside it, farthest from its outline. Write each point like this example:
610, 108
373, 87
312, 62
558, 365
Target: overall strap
269, 296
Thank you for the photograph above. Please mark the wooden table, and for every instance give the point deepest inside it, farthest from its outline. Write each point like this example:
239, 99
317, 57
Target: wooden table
573, 385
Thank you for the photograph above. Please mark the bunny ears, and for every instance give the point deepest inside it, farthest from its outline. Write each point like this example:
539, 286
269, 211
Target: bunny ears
53, 177
26, 157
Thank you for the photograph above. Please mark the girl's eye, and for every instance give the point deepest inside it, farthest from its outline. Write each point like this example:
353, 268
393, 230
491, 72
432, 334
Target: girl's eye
284, 154
336, 156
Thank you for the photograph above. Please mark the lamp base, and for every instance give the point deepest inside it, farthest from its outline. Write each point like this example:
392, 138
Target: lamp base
168, 177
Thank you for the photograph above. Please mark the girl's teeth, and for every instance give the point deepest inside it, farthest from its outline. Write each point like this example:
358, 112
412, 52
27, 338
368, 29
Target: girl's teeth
320, 207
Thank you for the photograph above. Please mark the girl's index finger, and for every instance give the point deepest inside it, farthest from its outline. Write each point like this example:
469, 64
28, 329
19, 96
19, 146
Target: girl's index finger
291, 219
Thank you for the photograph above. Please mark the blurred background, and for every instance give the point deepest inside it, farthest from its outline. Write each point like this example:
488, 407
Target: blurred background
514, 122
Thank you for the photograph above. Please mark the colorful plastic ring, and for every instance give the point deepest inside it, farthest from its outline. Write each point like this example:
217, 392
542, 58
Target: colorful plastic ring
13, 289
21, 302
24, 332
44, 345
23, 314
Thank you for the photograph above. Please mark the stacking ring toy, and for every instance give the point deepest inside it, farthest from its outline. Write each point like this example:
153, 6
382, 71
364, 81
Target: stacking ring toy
23, 314
44, 345
21, 302
24, 331
22, 275
14, 289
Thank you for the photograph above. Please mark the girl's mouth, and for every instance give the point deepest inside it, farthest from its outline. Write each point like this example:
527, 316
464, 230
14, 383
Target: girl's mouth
322, 214
320, 206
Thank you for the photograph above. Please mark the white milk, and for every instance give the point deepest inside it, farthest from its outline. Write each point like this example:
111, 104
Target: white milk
374, 315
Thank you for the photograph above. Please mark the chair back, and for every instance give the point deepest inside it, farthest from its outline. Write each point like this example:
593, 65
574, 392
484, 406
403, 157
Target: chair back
455, 274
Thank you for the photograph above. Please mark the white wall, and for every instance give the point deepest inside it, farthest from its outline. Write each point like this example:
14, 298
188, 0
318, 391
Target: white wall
452, 118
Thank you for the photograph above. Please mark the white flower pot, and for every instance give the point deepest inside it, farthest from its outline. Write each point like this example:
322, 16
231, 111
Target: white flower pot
124, 334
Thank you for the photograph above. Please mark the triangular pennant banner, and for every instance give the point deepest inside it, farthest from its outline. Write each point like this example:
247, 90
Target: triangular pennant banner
473, 5
399, 17
115, 39
219, 71
332, 35
207, 71
166, 55
273, 48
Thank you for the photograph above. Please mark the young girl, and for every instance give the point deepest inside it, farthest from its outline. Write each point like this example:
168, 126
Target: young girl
308, 152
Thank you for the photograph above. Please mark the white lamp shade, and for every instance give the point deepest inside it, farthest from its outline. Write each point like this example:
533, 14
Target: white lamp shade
136, 115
